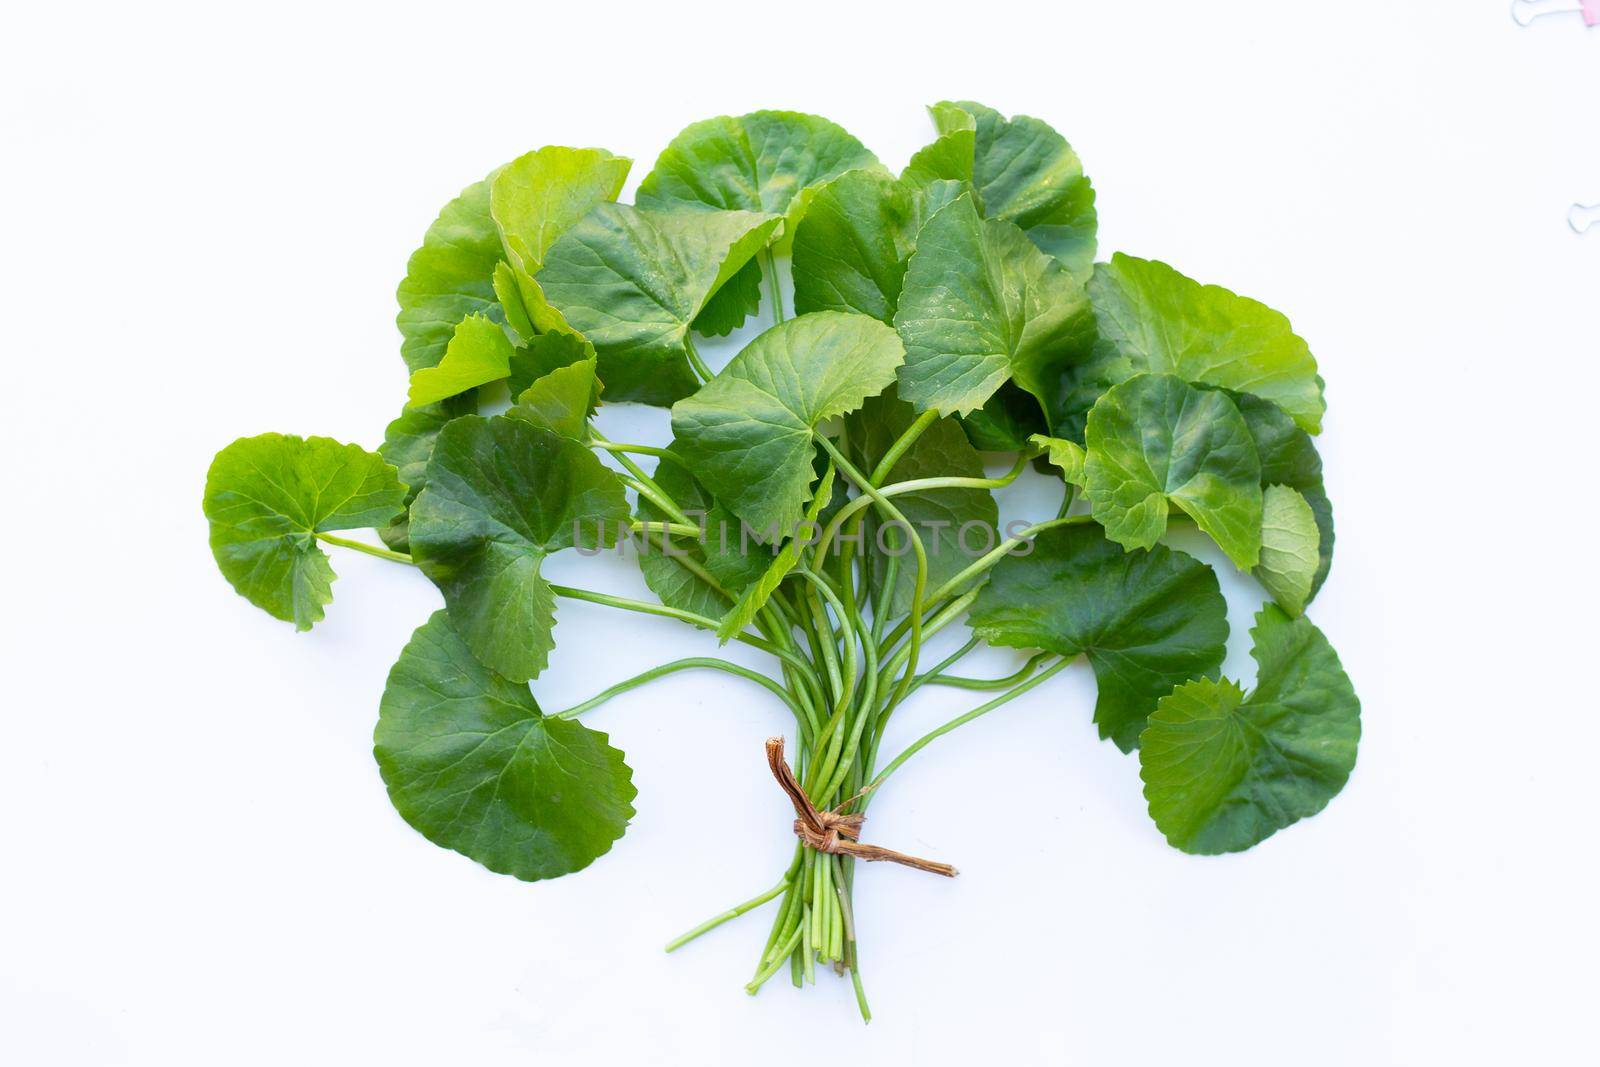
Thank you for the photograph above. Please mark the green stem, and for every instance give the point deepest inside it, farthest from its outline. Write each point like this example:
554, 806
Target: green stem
677, 529
691, 663
771, 969
698, 364
880, 473
638, 450
732, 913
371, 550
643, 484
961, 720
988, 683
769, 268
661, 610
894, 513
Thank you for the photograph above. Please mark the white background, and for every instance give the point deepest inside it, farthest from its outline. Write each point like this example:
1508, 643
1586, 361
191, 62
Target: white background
206, 213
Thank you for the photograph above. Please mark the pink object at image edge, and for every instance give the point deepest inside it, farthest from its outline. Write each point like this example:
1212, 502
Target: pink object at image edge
1591, 12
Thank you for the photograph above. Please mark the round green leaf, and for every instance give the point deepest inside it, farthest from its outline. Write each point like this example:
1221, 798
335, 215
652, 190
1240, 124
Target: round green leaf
268, 497
1156, 439
1288, 548
747, 433
763, 161
502, 495
474, 766
1026, 173
634, 281
980, 305
450, 277
1153, 319
1146, 620
1223, 771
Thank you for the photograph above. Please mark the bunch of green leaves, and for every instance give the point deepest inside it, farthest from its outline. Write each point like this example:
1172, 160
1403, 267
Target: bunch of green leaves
825, 497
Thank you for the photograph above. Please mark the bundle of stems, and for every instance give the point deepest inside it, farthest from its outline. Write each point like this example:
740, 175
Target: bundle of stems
847, 661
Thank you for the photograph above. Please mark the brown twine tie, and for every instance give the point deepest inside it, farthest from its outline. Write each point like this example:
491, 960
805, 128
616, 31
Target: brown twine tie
831, 831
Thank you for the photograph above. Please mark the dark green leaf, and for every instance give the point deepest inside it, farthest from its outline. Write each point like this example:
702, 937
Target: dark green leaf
543, 354
268, 497
473, 764
1006, 422
729, 306
502, 495
1223, 771
1146, 620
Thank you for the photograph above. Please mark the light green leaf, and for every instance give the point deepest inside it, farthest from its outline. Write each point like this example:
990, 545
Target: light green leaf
536, 198
561, 401
508, 292
763, 161
1156, 439
479, 353
981, 305
956, 525
1289, 457
1223, 771
949, 157
1153, 319
502, 495
407, 445
756, 595
450, 277
1026, 173
633, 281
1146, 620
473, 764
747, 433
1288, 548
268, 497
1068, 456
850, 250
732, 560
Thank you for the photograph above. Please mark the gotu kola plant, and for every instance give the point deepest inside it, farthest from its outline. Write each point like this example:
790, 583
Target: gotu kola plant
824, 496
